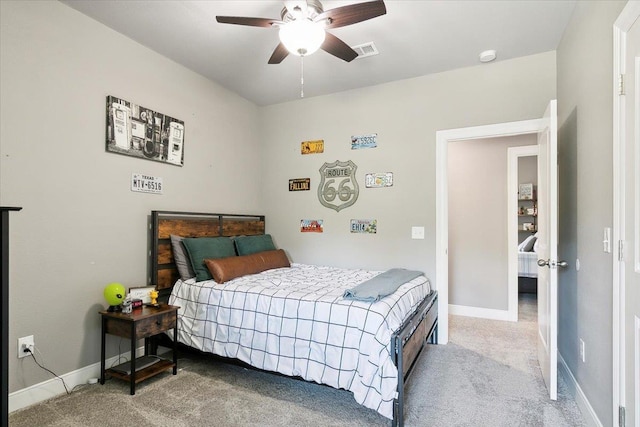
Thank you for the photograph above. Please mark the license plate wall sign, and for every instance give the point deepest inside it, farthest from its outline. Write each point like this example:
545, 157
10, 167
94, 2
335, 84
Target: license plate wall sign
300, 184
312, 147
146, 183
378, 180
364, 226
311, 226
364, 141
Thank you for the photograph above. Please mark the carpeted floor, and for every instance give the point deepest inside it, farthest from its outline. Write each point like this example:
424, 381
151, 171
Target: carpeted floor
487, 375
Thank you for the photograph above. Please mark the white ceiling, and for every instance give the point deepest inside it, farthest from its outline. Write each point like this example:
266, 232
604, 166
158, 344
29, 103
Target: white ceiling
414, 38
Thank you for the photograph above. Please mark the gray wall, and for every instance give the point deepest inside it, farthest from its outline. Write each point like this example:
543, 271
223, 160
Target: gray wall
478, 250
81, 226
585, 105
405, 115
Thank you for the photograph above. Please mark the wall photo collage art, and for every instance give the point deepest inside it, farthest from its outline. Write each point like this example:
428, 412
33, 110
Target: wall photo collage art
338, 187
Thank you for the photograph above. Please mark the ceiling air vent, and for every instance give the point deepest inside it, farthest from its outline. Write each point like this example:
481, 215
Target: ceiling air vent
364, 50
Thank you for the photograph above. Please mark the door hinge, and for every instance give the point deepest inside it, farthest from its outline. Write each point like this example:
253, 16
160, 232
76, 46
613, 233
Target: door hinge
621, 416
621, 84
620, 250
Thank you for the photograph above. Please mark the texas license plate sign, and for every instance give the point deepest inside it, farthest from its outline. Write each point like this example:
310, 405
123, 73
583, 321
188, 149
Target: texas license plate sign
146, 183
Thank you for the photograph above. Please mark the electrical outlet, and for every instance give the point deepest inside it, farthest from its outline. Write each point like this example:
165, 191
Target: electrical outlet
25, 343
582, 350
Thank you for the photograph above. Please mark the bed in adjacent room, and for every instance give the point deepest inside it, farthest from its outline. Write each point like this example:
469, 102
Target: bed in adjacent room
528, 264
352, 329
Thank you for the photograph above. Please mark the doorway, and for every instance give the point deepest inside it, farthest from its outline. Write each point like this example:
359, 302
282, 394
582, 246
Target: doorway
485, 227
443, 139
522, 225
626, 216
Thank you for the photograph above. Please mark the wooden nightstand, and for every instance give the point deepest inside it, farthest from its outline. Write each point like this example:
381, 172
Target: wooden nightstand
143, 322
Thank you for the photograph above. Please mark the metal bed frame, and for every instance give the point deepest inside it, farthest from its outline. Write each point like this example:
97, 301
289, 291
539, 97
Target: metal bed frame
407, 343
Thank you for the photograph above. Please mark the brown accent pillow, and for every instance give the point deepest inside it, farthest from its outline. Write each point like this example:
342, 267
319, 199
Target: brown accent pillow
225, 269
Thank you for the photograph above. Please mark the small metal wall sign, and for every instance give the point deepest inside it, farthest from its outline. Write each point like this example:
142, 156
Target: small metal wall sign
364, 141
311, 226
369, 226
378, 180
146, 183
312, 147
300, 184
338, 181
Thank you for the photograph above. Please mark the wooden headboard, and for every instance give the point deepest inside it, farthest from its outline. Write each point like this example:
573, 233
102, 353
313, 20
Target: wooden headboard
191, 224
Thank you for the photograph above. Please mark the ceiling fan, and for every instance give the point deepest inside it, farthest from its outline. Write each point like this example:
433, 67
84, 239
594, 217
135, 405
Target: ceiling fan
302, 26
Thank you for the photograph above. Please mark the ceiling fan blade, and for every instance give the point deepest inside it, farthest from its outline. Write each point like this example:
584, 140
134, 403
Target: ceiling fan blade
252, 22
278, 54
351, 14
337, 47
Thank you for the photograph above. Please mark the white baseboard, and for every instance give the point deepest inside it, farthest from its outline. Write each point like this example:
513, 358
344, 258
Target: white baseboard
483, 313
589, 415
51, 388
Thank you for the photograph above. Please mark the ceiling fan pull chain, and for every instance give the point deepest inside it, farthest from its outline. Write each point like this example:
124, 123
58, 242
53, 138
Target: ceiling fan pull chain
302, 76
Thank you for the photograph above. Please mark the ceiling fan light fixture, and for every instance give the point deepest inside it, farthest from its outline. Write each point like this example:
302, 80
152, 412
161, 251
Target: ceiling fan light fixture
302, 37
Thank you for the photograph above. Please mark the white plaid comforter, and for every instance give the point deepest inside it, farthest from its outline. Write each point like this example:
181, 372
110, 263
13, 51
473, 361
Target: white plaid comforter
296, 322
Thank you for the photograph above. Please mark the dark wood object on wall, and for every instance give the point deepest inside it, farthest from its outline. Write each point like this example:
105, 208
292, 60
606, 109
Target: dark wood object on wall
4, 255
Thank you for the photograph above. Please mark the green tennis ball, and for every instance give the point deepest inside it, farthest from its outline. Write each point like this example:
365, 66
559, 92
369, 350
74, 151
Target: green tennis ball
114, 293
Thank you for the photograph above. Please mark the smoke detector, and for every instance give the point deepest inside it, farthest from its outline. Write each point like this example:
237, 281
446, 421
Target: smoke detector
487, 56
366, 49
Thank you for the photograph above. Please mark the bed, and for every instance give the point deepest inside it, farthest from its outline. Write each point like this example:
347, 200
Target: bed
294, 319
528, 264
528, 257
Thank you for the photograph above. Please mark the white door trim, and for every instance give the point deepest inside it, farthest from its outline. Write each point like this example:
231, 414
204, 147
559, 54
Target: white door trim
443, 138
627, 17
513, 154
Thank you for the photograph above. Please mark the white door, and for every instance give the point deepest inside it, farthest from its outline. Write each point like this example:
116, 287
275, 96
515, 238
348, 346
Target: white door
548, 249
631, 227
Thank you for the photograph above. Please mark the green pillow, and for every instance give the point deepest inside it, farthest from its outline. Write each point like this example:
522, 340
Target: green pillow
201, 248
247, 245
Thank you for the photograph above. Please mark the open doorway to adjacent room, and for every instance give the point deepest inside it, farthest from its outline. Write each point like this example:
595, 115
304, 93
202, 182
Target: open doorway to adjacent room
489, 220
523, 203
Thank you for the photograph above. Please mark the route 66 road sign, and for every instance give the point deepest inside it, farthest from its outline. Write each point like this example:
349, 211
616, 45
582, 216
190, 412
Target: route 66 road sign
338, 188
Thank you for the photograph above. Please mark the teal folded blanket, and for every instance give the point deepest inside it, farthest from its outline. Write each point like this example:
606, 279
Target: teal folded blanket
381, 285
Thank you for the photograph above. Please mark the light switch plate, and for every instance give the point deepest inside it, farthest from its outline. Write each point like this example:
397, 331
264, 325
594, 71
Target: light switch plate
417, 232
606, 240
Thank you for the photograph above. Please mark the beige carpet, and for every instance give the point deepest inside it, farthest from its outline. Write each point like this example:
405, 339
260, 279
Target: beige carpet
486, 376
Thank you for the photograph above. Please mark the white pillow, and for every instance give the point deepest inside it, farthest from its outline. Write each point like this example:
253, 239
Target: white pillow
529, 246
524, 243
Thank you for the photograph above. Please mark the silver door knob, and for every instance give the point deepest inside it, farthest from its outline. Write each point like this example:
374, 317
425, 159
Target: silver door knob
551, 264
